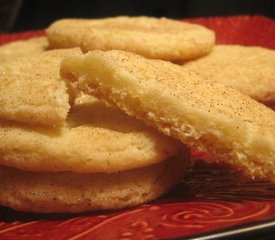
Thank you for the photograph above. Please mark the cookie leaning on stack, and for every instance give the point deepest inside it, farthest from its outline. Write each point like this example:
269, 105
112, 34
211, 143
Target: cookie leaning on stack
201, 113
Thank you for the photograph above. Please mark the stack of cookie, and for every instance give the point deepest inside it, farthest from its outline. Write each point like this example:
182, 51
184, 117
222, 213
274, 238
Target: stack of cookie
108, 128
88, 156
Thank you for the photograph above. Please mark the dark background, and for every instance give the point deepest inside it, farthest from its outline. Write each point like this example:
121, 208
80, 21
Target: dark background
22, 15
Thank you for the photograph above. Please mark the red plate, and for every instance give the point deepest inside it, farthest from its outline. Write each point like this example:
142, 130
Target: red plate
211, 198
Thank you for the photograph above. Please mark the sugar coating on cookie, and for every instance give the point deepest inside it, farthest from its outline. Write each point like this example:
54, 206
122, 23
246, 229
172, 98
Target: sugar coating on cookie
31, 90
250, 70
68, 192
159, 38
201, 113
94, 138
22, 48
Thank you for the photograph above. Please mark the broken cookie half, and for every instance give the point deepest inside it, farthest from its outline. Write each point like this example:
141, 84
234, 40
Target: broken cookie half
201, 113
31, 90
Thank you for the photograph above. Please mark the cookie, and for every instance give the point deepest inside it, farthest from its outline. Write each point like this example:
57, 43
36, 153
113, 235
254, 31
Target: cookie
69, 192
31, 90
94, 138
250, 70
23, 48
160, 38
201, 113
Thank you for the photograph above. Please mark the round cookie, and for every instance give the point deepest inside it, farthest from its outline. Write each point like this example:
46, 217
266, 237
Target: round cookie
160, 38
23, 48
201, 113
94, 138
68, 192
250, 70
